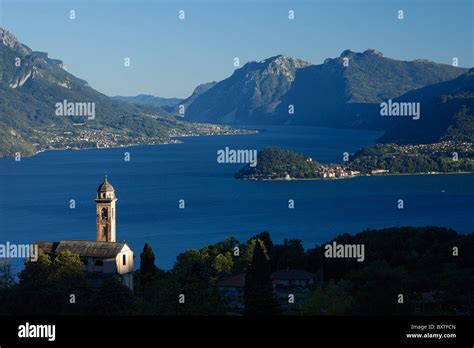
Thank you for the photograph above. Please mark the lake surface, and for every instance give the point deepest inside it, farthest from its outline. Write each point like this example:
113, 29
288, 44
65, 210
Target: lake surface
35, 194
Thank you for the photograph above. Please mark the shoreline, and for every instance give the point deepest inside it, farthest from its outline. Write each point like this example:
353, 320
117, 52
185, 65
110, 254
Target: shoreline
352, 177
172, 142
98, 148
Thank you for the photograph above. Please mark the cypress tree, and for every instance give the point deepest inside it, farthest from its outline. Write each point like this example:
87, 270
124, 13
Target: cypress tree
147, 260
258, 296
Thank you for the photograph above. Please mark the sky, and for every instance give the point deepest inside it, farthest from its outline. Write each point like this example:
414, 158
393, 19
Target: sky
169, 57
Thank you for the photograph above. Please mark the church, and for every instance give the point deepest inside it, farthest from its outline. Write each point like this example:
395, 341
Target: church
103, 257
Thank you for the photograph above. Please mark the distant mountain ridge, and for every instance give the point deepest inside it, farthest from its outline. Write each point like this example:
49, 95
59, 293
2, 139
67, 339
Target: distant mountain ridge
180, 110
146, 99
329, 94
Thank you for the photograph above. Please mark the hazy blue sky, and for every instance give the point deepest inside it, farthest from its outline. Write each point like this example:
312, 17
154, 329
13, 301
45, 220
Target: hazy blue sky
170, 57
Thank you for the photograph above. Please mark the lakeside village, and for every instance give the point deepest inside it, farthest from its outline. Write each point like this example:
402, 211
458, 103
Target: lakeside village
446, 148
93, 138
337, 172
330, 172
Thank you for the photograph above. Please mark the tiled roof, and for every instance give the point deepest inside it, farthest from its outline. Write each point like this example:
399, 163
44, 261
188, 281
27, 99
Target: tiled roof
83, 247
234, 281
292, 274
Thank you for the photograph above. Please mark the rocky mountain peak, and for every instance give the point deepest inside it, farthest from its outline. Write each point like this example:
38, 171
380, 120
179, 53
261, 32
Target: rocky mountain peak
345, 53
367, 52
285, 61
9, 40
372, 52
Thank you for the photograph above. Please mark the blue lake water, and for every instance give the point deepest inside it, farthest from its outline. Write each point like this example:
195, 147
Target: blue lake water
35, 194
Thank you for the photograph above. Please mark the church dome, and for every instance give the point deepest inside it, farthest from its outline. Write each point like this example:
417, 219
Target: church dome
105, 186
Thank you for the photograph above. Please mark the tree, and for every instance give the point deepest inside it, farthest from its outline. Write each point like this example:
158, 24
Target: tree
193, 277
111, 298
377, 287
7, 287
46, 285
223, 263
191, 266
267, 242
289, 255
258, 295
246, 251
147, 260
7, 279
36, 272
67, 268
210, 252
331, 300
163, 297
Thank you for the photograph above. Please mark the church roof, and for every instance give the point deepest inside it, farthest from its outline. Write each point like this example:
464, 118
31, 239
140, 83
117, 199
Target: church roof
105, 186
84, 248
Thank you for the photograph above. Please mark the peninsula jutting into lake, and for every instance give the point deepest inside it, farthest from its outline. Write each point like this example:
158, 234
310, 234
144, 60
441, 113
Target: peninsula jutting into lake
437, 158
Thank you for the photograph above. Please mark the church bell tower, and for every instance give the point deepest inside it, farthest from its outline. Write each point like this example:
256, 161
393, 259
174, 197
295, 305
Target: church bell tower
105, 212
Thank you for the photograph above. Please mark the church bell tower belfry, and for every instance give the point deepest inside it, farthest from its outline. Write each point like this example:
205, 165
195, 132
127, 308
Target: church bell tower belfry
105, 212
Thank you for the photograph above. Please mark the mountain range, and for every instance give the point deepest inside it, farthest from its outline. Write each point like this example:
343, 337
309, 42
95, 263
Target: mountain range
343, 92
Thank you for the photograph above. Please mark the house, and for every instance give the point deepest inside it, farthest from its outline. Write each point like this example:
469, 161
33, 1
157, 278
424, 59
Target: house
293, 279
232, 288
294, 283
285, 282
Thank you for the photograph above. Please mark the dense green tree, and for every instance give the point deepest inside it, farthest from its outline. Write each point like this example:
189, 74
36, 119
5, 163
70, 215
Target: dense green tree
7, 287
290, 254
432, 267
267, 242
147, 260
7, 279
46, 285
36, 272
412, 159
376, 289
314, 259
68, 268
274, 163
330, 300
110, 298
191, 266
223, 263
259, 296
168, 296
148, 271
210, 255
